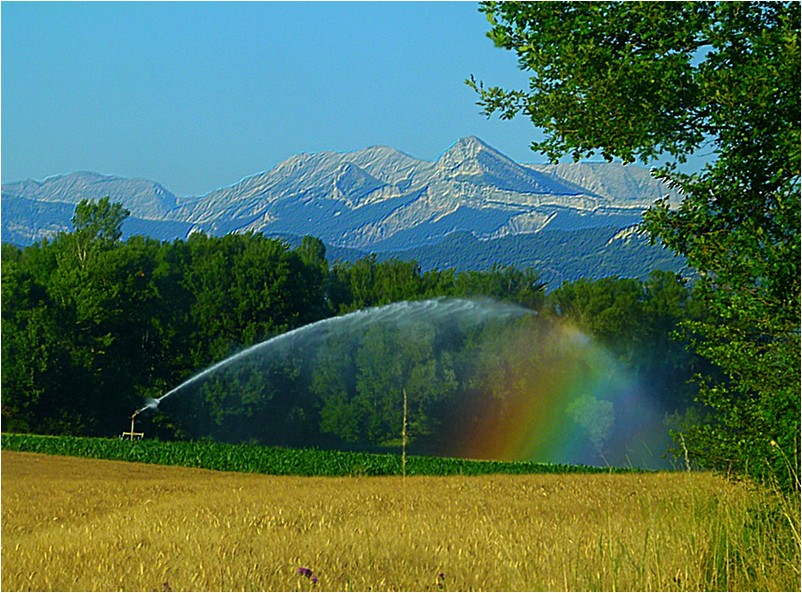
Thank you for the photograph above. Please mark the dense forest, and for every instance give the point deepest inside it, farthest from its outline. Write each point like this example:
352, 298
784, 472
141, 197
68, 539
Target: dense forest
93, 327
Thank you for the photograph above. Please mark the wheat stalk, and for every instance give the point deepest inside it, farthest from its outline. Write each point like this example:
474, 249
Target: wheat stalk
404, 458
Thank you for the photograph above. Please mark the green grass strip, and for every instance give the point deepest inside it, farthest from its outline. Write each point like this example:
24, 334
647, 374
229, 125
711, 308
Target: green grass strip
276, 460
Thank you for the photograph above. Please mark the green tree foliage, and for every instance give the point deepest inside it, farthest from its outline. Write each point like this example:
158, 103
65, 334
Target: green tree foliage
360, 380
33, 360
77, 306
89, 333
315, 270
247, 288
640, 80
610, 309
639, 323
96, 224
370, 283
505, 283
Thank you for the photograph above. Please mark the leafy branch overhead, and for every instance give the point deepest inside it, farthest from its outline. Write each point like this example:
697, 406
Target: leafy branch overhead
638, 79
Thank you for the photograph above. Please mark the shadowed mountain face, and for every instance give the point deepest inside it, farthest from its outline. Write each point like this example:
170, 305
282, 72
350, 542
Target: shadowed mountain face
376, 199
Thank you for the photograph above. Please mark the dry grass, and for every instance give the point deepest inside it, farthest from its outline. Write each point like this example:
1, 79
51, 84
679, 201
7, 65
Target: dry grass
72, 524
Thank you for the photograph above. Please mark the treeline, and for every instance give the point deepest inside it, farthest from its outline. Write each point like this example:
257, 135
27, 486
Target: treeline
92, 327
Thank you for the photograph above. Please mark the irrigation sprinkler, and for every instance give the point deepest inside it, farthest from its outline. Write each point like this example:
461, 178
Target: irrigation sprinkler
132, 434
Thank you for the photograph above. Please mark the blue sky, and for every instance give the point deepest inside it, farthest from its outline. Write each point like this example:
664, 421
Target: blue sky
199, 95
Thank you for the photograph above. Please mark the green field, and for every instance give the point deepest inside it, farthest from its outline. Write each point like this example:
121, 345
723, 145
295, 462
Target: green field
277, 461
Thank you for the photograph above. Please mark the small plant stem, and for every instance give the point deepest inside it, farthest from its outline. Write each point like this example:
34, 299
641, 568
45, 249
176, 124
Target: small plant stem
404, 458
685, 452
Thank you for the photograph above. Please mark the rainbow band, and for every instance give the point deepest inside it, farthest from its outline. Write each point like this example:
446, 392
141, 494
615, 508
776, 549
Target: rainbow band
560, 399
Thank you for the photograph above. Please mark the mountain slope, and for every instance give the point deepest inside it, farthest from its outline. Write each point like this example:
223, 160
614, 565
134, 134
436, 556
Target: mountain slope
558, 256
145, 199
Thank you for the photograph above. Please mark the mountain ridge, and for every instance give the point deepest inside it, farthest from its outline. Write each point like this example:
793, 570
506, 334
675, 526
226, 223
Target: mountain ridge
374, 199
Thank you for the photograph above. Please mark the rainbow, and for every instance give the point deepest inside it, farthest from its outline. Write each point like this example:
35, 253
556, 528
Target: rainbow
551, 394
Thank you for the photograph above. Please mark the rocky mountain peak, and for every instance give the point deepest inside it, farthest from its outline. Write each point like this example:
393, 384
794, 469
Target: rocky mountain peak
471, 160
388, 164
470, 156
352, 184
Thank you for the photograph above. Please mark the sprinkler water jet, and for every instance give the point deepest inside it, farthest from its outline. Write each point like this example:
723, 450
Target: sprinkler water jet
132, 434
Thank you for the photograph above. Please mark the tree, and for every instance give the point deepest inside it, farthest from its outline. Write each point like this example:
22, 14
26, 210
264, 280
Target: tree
96, 223
637, 323
610, 309
505, 283
641, 80
33, 351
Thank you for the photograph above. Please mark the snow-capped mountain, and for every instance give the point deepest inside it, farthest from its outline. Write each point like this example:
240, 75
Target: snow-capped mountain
374, 199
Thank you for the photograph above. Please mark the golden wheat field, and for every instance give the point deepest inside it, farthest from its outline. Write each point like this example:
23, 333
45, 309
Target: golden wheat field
76, 524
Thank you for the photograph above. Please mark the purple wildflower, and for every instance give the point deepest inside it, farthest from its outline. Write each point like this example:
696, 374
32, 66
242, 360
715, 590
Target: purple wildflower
305, 572
314, 580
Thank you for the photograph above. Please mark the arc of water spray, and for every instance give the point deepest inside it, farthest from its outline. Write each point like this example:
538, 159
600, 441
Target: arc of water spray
439, 308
